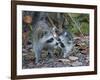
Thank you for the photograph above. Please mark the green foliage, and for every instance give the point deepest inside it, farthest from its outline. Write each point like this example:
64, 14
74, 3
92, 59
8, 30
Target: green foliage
85, 28
77, 23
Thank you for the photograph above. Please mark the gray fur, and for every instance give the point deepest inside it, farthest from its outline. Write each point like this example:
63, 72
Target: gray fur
42, 32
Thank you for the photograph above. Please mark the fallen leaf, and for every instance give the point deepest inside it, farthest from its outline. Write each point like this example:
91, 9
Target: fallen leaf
73, 58
65, 61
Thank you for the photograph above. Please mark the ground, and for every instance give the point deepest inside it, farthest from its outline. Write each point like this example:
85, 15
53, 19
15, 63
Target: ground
79, 56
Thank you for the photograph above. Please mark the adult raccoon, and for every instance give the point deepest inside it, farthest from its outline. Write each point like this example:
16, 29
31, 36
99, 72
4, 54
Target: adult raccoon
42, 37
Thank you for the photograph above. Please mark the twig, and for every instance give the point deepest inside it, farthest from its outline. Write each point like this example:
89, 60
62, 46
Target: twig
51, 22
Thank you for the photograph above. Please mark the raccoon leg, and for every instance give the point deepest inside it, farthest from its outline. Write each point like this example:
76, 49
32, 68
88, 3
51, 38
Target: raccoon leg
67, 49
37, 55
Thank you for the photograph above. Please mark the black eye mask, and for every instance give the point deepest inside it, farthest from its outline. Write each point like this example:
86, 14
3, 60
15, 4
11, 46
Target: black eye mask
60, 42
62, 45
59, 39
50, 40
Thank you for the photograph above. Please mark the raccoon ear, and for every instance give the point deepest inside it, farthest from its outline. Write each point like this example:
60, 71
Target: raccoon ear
42, 16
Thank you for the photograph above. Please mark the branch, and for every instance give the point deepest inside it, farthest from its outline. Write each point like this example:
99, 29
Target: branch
51, 22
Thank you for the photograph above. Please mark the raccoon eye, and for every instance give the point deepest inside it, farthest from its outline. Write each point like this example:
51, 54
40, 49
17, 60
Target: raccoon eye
45, 32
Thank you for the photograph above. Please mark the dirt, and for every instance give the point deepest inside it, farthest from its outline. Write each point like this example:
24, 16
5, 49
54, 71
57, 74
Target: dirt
79, 56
